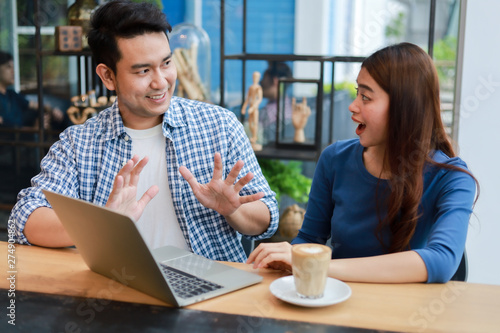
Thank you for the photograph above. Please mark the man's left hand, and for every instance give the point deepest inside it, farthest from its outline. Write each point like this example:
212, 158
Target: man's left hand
220, 194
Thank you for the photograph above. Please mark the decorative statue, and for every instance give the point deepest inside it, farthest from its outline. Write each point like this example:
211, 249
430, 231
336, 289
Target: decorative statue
78, 116
87, 105
300, 114
253, 100
291, 221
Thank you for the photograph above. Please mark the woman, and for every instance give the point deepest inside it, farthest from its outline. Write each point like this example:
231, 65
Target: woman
396, 202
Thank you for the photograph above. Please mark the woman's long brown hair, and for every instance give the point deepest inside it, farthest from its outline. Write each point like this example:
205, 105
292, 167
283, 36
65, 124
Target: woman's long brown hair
415, 129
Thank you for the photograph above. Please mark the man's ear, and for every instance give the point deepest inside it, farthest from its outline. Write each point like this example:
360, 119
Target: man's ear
107, 76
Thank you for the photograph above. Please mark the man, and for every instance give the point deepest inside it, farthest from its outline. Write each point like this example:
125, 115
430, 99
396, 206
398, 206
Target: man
300, 114
208, 208
276, 70
15, 109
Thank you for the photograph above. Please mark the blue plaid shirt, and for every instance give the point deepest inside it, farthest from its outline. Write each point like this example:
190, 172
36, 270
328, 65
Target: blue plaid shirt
86, 159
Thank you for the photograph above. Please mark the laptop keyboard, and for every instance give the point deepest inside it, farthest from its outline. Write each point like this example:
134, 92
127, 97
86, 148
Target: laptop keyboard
186, 285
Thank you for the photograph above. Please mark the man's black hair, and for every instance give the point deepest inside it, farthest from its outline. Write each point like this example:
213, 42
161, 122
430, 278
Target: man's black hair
5, 57
278, 69
122, 19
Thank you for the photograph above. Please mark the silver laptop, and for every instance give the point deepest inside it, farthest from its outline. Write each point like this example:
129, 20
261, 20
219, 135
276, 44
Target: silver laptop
111, 245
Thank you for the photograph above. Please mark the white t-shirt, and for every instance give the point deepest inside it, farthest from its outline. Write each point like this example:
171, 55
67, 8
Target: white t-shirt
158, 223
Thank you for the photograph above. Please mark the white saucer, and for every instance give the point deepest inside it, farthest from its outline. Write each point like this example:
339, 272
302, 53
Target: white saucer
335, 292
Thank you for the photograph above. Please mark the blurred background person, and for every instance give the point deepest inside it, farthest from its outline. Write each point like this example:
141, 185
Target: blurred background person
276, 70
15, 109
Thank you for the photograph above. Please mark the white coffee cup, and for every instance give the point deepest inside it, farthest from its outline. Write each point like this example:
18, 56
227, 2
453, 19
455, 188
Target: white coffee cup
310, 268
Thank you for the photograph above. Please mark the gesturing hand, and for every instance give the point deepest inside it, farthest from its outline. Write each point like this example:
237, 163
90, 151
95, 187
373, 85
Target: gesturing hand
220, 194
123, 197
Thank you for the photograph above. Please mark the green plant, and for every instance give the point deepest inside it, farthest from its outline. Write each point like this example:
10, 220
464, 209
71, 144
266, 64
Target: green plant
396, 27
286, 178
349, 86
446, 48
445, 55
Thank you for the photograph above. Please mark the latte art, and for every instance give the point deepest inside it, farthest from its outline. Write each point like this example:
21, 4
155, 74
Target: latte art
310, 267
312, 249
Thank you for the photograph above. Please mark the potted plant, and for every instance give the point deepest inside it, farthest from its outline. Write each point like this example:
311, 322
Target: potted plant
287, 179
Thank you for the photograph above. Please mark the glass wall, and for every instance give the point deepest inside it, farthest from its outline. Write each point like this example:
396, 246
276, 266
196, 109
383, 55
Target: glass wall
341, 28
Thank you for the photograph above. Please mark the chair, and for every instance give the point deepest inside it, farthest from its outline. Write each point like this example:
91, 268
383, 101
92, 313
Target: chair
248, 245
461, 273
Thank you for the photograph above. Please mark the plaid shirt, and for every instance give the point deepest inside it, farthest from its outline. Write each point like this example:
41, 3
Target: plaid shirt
86, 159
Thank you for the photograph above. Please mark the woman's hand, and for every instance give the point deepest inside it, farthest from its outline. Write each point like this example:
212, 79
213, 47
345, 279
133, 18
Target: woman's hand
272, 255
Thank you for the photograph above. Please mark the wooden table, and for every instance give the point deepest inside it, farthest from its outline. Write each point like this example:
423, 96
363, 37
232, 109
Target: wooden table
450, 307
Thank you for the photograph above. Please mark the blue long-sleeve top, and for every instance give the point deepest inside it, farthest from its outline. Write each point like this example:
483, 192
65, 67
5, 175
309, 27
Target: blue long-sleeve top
343, 200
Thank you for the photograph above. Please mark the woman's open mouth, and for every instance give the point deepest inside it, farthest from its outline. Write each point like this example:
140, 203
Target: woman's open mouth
360, 129
361, 126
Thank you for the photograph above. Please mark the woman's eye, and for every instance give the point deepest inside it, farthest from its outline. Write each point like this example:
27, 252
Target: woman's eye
363, 97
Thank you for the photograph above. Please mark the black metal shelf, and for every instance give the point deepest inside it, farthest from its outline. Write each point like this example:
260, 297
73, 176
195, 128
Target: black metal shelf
278, 151
272, 152
292, 57
275, 57
84, 53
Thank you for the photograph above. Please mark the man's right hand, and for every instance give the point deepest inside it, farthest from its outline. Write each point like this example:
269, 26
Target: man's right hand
123, 197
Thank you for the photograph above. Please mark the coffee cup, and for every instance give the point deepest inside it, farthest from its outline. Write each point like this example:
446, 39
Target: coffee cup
310, 268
